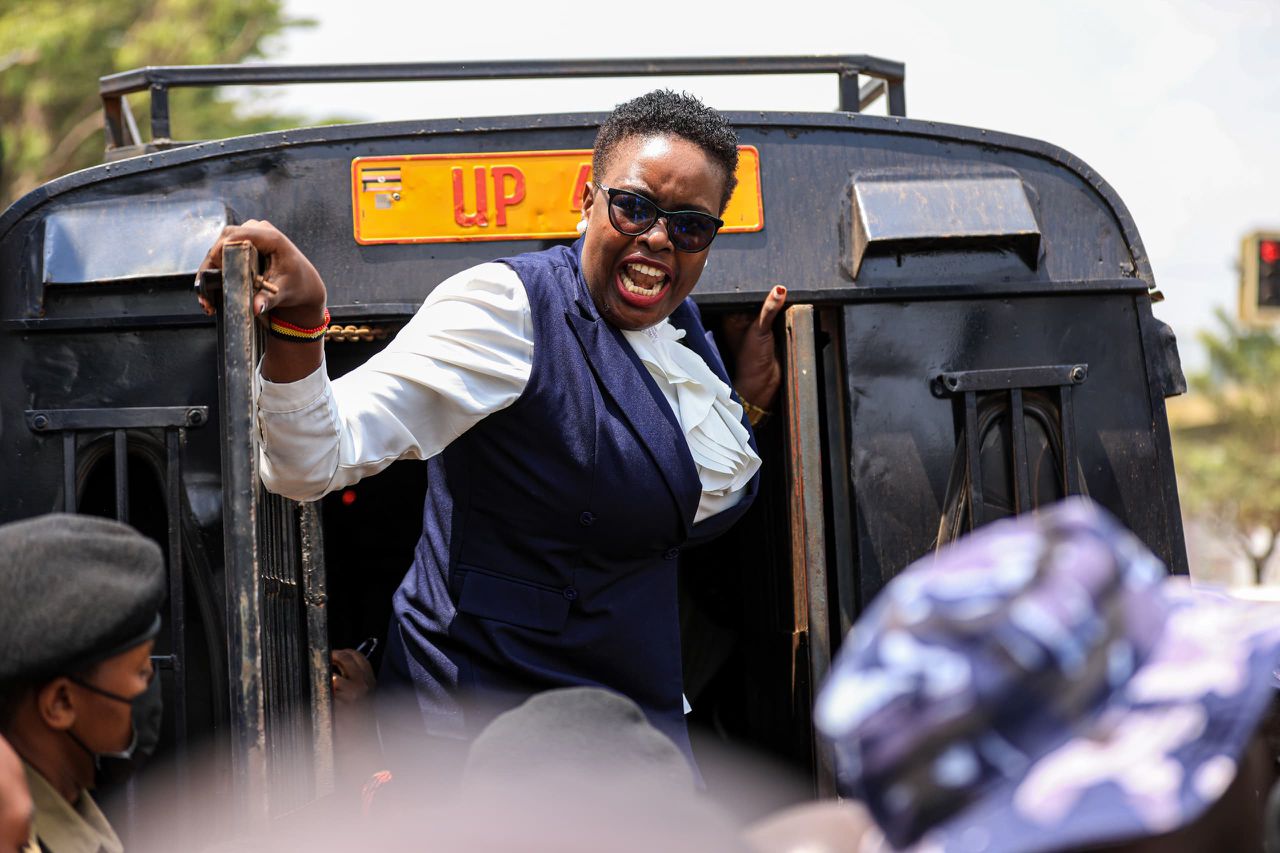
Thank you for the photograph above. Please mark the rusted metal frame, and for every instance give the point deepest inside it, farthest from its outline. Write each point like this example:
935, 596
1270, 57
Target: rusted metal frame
283, 659
237, 333
808, 529
294, 673
836, 453
972, 449
315, 598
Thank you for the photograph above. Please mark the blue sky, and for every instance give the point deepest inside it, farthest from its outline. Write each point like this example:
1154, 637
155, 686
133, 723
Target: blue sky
1176, 104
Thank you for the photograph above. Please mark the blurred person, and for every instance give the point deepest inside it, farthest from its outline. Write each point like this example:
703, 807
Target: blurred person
1043, 685
15, 802
579, 423
822, 827
79, 607
575, 732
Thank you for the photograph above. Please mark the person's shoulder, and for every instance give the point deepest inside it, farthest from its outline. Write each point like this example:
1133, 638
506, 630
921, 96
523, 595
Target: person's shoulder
530, 264
489, 283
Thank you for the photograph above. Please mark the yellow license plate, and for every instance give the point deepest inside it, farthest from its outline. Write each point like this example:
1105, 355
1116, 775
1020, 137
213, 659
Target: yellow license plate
510, 195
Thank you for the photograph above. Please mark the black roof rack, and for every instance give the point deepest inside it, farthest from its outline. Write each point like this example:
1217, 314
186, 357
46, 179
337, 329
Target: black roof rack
887, 78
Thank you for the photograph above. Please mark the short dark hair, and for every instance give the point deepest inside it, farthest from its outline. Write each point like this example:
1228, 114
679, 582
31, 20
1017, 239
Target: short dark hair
663, 112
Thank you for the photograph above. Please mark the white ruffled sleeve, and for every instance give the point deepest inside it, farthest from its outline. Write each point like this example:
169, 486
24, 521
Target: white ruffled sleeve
466, 354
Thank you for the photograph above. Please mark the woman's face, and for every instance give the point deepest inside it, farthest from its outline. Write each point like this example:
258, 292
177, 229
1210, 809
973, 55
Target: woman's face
636, 282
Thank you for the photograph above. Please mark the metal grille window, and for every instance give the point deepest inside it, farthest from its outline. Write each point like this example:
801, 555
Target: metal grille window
152, 435
1015, 447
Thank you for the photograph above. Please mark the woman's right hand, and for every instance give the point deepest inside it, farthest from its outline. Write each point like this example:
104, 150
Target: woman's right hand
291, 287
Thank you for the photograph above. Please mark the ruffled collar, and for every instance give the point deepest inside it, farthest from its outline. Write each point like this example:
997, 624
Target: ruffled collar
703, 404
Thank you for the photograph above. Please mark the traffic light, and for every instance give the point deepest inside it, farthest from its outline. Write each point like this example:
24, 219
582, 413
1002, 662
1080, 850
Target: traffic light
1260, 279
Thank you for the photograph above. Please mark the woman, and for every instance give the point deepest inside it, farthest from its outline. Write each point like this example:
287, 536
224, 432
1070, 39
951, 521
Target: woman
577, 421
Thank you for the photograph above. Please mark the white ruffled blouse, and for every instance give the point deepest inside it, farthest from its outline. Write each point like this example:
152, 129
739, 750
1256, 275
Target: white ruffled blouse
467, 353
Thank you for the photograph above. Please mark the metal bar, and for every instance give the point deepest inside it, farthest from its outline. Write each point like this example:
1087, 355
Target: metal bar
177, 599
159, 112
850, 93
897, 96
69, 471
870, 92
315, 598
1018, 432
1070, 464
141, 79
100, 324
808, 528
836, 453
159, 79
146, 417
113, 122
240, 535
1042, 376
972, 448
130, 123
121, 455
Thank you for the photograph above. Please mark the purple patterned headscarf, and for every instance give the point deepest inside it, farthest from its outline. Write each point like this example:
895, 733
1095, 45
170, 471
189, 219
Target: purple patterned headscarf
1042, 685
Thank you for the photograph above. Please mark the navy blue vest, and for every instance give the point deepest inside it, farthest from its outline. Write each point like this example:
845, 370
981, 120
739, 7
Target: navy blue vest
551, 529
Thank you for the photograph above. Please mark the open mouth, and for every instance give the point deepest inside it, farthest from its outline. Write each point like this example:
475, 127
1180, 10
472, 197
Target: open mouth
642, 284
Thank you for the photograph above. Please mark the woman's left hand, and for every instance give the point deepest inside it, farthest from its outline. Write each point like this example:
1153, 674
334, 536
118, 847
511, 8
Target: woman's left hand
352, 677
750, 340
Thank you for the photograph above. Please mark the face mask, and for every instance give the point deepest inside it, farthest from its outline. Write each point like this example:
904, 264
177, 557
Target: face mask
147, 711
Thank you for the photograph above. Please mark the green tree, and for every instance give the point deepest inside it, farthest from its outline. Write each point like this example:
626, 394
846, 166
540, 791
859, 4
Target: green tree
52, 53
1229, 467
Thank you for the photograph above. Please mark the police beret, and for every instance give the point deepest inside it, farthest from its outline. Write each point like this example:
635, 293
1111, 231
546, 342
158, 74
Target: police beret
74, 590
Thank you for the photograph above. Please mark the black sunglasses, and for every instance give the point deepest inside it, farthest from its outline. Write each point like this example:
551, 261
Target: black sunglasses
633, 214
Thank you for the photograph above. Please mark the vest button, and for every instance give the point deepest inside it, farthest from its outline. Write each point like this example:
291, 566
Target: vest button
671, 554
570, 593
586, 519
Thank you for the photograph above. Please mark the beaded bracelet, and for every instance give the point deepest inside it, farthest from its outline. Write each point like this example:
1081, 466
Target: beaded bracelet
286, 331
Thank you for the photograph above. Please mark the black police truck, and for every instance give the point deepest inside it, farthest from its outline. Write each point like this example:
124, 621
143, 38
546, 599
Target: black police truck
969, 335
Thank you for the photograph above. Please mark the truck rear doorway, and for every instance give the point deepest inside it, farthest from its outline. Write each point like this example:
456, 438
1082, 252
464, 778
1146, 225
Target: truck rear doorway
746, 651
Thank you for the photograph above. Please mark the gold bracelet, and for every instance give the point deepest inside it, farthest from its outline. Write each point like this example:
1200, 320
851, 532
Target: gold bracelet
755, 415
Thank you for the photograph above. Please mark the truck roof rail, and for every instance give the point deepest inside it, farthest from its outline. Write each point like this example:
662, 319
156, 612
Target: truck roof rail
887, 79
